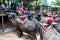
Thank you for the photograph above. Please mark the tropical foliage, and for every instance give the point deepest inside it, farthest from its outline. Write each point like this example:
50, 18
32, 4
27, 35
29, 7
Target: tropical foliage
57, 3
34, 3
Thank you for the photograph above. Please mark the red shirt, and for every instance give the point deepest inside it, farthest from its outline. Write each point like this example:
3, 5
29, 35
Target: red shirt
48, 20
21, 10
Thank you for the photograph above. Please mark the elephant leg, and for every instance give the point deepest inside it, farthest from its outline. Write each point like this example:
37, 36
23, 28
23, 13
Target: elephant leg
33, 35
19, 31
41, 34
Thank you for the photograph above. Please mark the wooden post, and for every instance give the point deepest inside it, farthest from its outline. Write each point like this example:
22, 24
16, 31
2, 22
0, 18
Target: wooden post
2, 23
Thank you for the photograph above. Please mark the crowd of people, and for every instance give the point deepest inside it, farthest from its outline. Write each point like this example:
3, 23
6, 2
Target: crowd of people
45, 17
17, 11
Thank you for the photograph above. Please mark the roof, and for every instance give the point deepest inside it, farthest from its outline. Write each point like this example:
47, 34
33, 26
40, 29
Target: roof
53, 6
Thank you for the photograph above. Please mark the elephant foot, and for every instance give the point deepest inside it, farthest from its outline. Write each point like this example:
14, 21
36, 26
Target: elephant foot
20, 35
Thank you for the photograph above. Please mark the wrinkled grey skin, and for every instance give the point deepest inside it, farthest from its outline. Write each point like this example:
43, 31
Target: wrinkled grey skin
57, 26
31, 27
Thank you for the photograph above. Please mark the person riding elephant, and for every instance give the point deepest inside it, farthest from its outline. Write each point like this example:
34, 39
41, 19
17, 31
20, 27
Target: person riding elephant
49, 32
25, 23
21, 10
44, 13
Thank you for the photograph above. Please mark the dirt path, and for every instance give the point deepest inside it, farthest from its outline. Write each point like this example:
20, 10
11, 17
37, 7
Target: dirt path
12, 36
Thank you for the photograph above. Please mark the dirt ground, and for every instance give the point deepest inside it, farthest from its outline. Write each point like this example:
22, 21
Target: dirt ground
12, 35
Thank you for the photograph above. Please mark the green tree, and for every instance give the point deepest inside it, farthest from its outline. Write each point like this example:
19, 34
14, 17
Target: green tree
57, 3
34, 3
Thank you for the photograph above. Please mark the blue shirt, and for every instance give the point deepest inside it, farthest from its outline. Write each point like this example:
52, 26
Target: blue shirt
2, 5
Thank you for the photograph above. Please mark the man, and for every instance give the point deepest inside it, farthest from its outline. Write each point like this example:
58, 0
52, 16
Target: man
1, 11
3, 6
44, 13
21, 10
